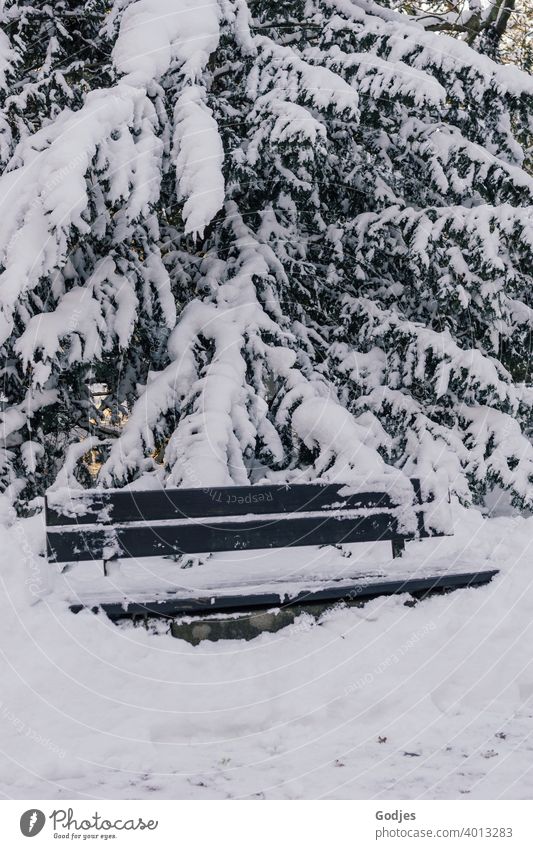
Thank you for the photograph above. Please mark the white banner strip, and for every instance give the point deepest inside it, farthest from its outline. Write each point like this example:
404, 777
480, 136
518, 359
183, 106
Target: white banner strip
264, 825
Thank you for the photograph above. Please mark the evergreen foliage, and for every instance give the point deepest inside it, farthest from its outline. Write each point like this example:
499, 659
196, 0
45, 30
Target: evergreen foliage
290, 240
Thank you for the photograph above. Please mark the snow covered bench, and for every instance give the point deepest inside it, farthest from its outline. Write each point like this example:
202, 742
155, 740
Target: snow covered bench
117, 524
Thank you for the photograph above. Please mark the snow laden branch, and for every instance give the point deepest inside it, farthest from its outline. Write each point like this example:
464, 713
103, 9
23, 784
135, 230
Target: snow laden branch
225, 418
462, 409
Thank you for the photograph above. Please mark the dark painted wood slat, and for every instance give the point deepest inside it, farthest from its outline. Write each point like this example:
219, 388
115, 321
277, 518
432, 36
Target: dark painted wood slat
191, 538
113, 507
234, 603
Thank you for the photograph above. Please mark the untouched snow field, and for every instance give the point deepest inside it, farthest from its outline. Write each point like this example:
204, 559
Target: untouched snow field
392, 701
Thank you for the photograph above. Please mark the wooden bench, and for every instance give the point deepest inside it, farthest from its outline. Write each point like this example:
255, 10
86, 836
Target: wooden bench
117, 524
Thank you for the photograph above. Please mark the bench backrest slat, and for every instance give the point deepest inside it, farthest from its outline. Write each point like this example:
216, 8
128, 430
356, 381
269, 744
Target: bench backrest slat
144, 541
119, 506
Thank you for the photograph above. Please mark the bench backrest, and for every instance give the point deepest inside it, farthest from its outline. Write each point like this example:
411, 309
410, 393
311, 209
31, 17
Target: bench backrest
99, 524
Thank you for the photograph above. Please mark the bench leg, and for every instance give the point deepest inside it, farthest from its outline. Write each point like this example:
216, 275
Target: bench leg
109, 560
398, 547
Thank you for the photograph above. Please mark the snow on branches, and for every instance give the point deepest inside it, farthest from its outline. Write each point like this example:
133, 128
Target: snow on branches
286, 241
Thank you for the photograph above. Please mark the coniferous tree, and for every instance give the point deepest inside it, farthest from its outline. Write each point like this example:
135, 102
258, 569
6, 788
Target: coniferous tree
291, 240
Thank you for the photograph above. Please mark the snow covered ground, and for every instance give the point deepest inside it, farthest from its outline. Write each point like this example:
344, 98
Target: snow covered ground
392, 701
